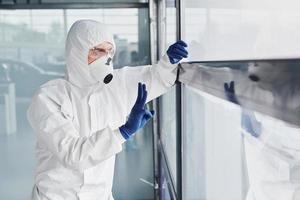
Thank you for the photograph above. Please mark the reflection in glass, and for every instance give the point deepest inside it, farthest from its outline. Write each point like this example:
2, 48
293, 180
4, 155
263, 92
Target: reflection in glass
168, 130
212, 148
268, 86
252, 144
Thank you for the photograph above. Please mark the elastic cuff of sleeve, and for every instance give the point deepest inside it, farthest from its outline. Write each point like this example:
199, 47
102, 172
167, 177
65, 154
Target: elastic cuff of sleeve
167, 71
167, 61
120, 136
124, 132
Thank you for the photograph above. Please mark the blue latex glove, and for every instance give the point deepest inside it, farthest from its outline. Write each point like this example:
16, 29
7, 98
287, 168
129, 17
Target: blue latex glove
138, 116
230, 92
177, 51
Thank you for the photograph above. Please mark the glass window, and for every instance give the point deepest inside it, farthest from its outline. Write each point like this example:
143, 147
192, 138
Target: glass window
213, 154
225, 143
32, 46
168, 130
236, 30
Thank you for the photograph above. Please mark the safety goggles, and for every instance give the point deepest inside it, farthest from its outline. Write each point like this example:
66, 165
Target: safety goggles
104, 49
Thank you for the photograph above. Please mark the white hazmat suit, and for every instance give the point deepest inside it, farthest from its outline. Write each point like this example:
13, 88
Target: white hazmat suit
77, 119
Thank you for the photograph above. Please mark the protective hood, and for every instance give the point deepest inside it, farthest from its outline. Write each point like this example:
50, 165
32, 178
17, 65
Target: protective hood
82, 36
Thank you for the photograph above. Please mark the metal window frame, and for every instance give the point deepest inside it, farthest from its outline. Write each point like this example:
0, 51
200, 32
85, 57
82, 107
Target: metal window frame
153, 26
179, 109
41, 5
176, 192
159, 42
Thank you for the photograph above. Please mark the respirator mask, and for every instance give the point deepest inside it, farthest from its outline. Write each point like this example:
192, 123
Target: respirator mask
101, 70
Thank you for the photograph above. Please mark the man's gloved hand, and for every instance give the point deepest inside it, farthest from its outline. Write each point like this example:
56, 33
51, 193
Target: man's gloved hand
138, 116
230, 92
177, 51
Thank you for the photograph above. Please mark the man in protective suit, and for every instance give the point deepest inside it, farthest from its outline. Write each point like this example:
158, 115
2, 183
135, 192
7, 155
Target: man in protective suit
81, 121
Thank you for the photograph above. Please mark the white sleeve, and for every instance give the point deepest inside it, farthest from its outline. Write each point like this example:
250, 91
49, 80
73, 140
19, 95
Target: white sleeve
159, 78
61, 138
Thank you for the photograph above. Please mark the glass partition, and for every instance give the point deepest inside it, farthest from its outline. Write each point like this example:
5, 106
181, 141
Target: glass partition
241, 126
248, 149
213, 155
234, 153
